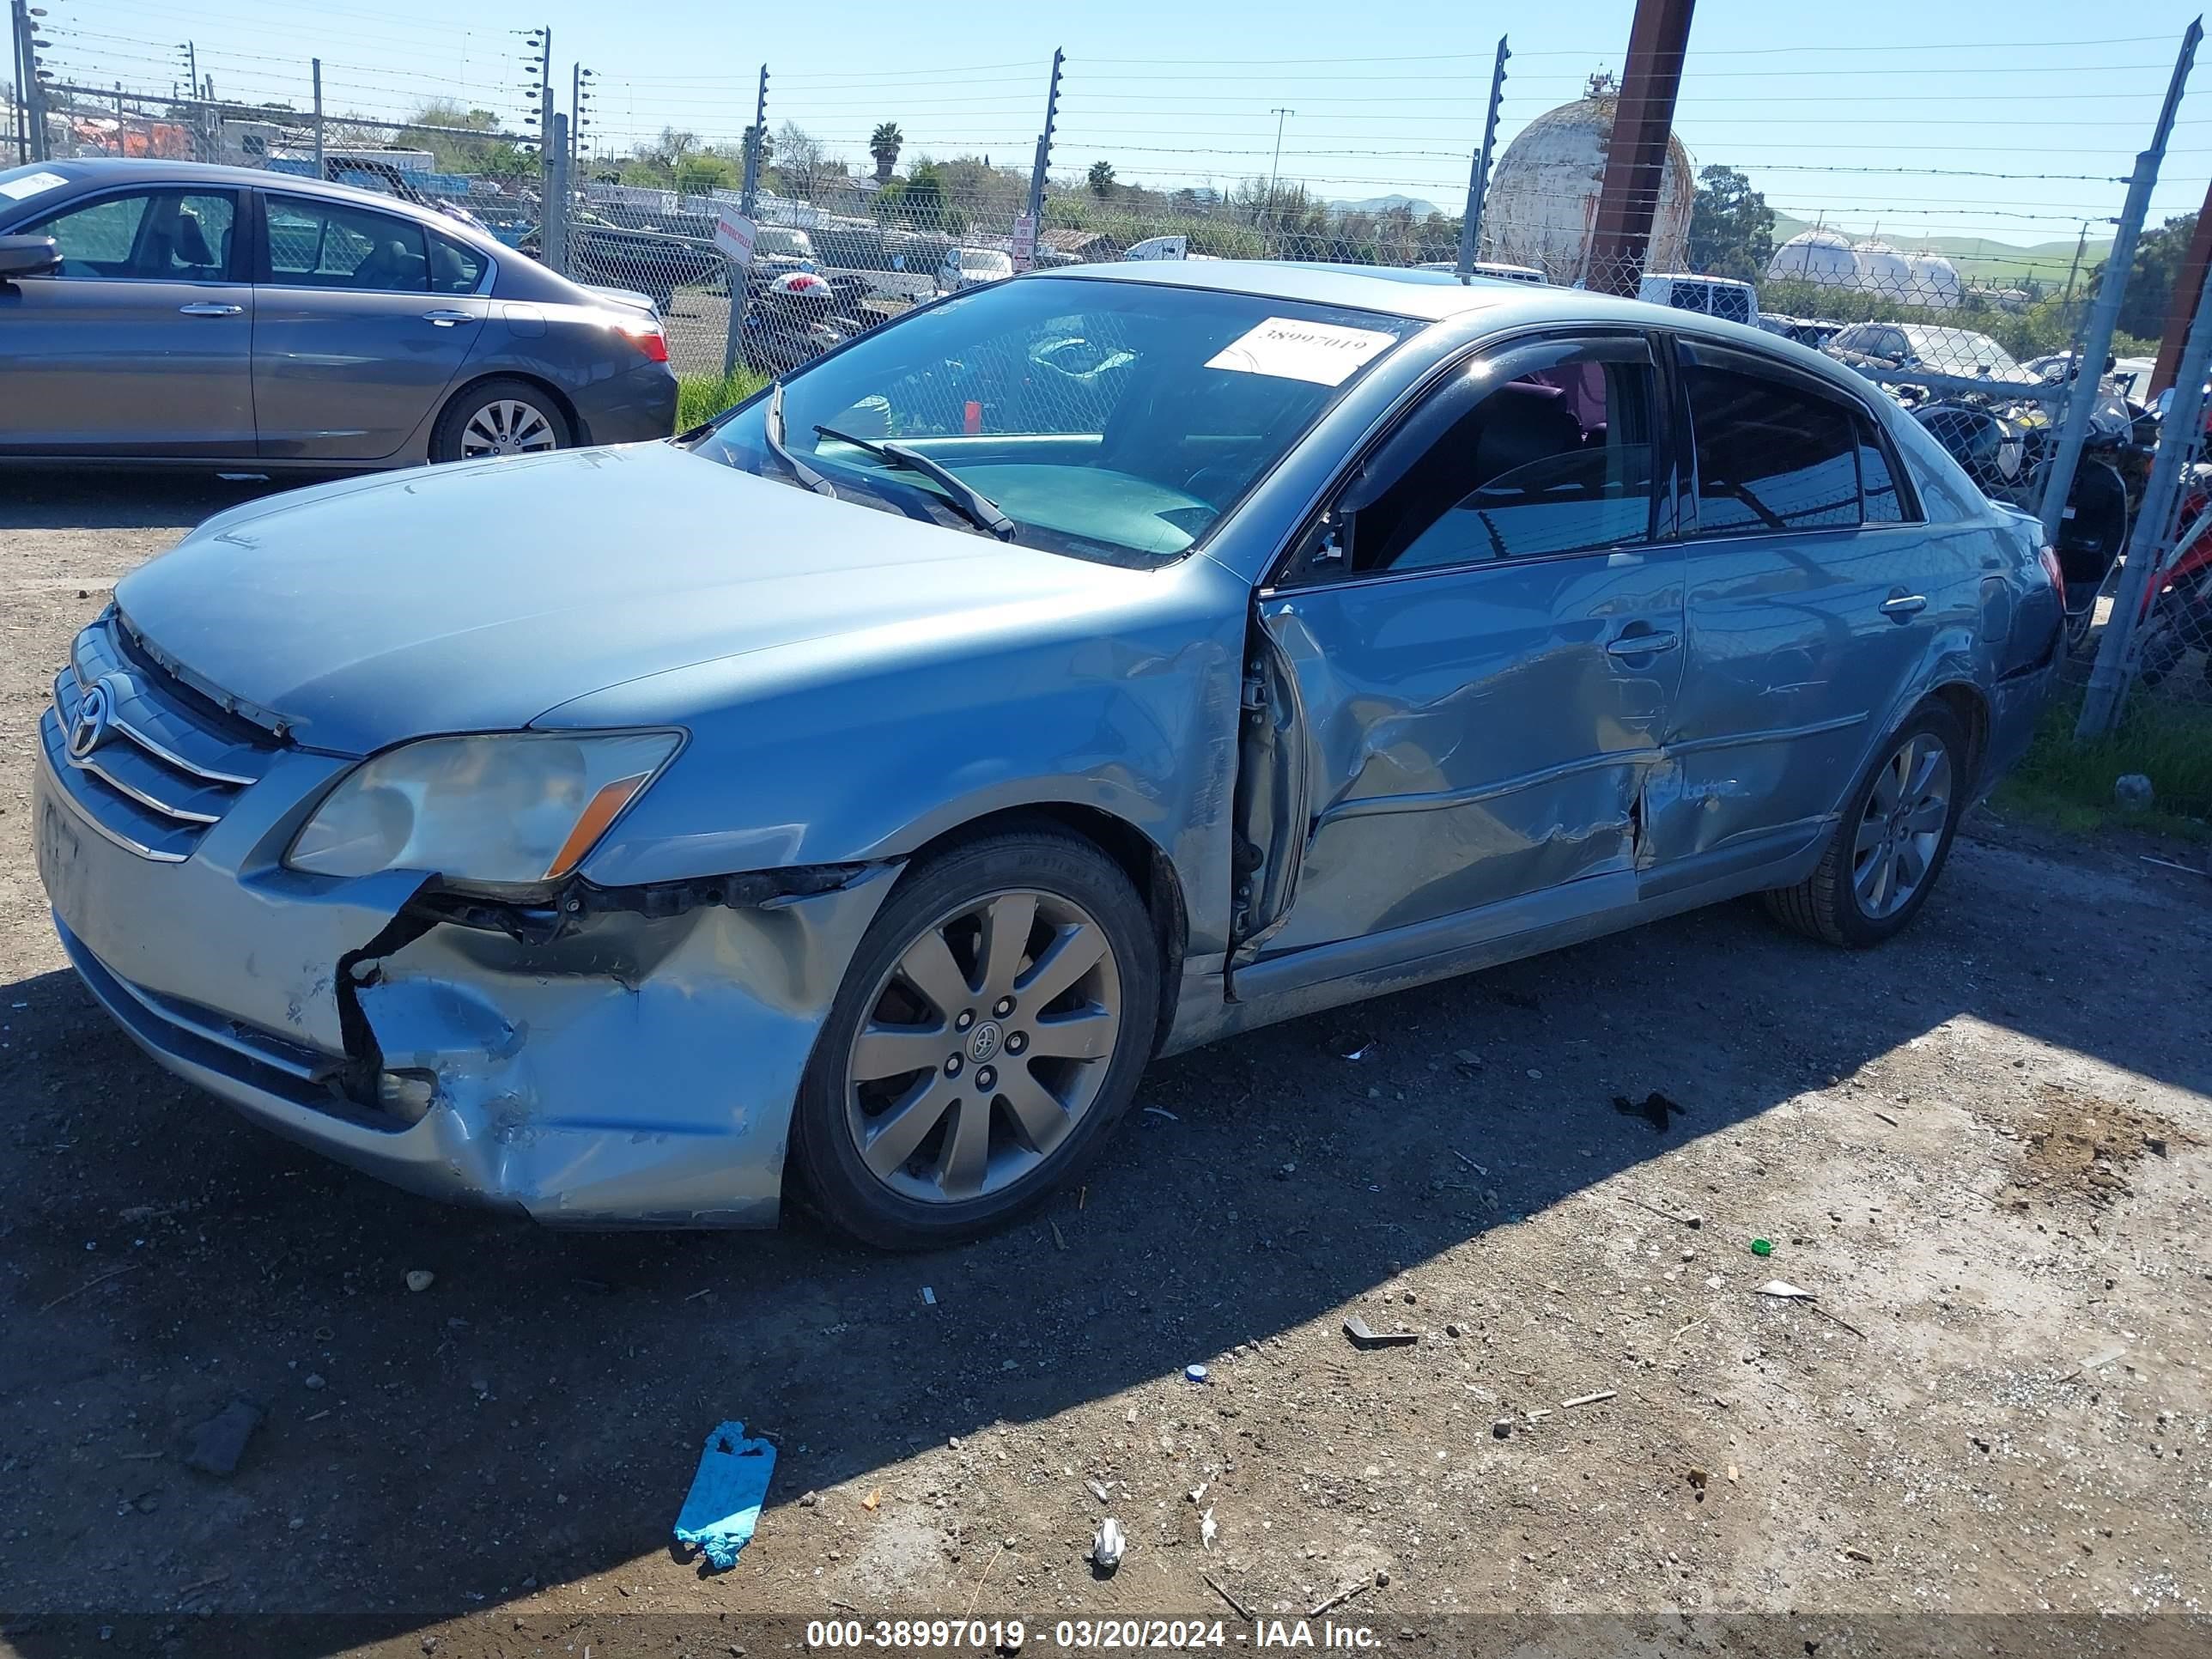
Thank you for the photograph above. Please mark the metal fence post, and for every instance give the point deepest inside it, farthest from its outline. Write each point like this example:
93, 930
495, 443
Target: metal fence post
2179, 433
19, 35
556, 238
1479, 180
748, 199
2104, 314
751, 189
1035, 211
319, 169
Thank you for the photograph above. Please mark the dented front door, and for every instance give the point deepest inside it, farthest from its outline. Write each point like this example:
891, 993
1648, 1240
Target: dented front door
1474, 735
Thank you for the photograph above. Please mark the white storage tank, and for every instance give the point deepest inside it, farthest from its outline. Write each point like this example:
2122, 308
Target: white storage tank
1814, 256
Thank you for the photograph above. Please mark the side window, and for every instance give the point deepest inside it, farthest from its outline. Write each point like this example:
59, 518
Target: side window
314, 244
147, 236
455, 268
1770, 457
1877, 485
1555, 460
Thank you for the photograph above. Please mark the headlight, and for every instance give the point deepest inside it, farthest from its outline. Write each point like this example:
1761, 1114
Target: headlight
492, 811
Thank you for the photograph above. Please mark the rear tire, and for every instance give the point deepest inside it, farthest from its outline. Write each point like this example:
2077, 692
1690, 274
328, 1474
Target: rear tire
1891, 841
920, 1122
503, 416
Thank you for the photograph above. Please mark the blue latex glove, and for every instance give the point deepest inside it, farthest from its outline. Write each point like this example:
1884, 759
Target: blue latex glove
727, 1494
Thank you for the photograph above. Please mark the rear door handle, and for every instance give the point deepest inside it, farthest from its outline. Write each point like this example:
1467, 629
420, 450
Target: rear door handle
448, 318
1903, 607
1646, 644
209, 308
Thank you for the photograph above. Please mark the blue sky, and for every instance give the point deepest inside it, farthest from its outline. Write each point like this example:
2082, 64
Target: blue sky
1883, 115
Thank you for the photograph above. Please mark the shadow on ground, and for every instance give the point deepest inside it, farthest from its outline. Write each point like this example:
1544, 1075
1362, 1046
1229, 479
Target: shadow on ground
534, 1417
135, 498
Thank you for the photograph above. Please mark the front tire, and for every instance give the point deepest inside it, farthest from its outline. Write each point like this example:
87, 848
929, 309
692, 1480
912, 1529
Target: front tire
1890, 843
503, 415
989, 1033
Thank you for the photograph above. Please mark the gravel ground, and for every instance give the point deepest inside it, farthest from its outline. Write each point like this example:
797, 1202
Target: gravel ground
1983, 1149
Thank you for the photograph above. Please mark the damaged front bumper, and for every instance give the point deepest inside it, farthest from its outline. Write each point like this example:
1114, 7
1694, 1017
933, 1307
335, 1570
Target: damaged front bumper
624, 1059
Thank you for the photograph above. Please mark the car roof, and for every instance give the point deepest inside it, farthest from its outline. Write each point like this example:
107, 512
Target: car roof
133, 170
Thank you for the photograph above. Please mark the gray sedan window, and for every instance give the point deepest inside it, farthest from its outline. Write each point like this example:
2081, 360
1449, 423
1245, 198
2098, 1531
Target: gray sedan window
146, 236
318, 243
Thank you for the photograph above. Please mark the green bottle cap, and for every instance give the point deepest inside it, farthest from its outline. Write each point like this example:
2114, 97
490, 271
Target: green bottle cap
1762, 1247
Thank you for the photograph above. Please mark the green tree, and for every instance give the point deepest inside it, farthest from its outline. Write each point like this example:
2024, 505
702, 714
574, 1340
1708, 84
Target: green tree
2159, 254
1731, 226
885, 144
1101, 178
697, 175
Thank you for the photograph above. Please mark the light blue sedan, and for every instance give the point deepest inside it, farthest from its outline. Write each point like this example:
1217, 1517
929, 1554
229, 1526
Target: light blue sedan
861, 792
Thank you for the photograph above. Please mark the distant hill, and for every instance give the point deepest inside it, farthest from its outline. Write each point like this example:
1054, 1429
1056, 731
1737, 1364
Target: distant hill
1420, 209
1979, 258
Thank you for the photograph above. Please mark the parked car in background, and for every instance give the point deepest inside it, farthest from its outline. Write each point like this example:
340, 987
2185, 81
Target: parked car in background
656, 262
966, 267
1489, 268
164, 311
1814, 331
1925, 345
1079, 669
779, 250
1724, 297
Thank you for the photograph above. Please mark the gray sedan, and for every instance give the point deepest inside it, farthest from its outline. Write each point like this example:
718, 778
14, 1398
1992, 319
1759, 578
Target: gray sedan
1081, 668
164, 311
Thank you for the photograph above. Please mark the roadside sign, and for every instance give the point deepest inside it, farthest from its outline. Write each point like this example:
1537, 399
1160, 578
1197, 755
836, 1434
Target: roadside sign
733, 234
1159, 247
1024, 242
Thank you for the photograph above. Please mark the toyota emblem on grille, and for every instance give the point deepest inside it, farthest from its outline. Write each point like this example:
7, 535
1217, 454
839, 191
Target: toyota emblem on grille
88, 726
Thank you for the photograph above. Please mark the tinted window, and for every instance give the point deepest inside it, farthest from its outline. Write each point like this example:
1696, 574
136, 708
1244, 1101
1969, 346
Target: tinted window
1770, 457
455, 268
149, 236
315, 244
1556, 460
1877, 486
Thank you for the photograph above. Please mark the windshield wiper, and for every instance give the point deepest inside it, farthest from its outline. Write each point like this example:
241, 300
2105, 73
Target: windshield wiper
772, 429
973, 504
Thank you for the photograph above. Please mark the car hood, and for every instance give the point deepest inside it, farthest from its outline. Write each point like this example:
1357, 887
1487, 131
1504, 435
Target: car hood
477, 597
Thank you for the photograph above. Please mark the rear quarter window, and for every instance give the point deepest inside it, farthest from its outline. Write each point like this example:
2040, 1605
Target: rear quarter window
1947, 496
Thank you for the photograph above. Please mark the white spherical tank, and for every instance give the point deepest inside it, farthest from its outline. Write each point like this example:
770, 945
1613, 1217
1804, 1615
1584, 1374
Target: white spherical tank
1814, 256
1883, 270
1542, 201
1935, 283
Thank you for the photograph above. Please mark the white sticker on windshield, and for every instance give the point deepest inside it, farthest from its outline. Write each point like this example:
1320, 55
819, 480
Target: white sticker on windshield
29, 185
1327, 354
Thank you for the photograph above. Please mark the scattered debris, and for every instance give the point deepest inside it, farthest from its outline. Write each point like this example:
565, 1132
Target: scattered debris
1364, 1336
1502, 1429
420, 1279
2169, 864
1686, 1218
724, 1504
314, 1382
1587, 1399
1338, 1600
1214, 1584
1698, 1477
97, 1279
1685, 1330
1195, 1373
1885, 1117
1058, 1243
874, 1500
1208, 1532
1106, 1548
1851, 1554
1198, 1492
1762, 1247
1654, 1108
1099, 1490
2095, 1362
2133, 792
928, 1296
809, 1499
1469, 1161
1162, 1111
1783, 1287
1731, 1474
219, 1443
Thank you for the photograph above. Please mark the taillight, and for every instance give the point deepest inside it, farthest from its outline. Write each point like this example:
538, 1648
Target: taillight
646, 336
2058, 575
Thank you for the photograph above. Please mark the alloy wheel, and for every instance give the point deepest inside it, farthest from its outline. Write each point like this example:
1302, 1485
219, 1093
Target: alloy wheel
985, 1043
507, 426
1902, 828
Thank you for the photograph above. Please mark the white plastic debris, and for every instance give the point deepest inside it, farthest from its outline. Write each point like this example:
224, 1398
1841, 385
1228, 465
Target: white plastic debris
928, 1296
1208, 1532
421, 1278
1106, 1548
1784, 1288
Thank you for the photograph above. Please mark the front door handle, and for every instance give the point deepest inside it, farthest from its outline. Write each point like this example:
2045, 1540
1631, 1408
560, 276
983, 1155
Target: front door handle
1903, 607
209, 308
1648, 643
446, 318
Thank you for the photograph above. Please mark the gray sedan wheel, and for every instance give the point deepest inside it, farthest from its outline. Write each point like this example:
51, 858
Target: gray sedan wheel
496, 417
990, 1029
1891, 840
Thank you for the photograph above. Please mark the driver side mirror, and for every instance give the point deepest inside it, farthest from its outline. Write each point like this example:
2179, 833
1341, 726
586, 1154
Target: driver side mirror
28, 255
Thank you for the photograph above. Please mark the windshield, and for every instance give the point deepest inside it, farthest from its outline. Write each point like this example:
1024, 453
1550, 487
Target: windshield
1119, 421
1962, 351
768, 239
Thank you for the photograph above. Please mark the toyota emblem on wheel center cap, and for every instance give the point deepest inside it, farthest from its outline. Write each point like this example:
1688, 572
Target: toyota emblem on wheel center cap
984, 1042
89, 725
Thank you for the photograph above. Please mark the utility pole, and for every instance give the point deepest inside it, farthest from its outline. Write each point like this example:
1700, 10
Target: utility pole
757, 138
1026, 233
540, 39
2104, 311
19, 45
1636, 159
192, 67
33, 95
1479, 181
320, 171
1275, 166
